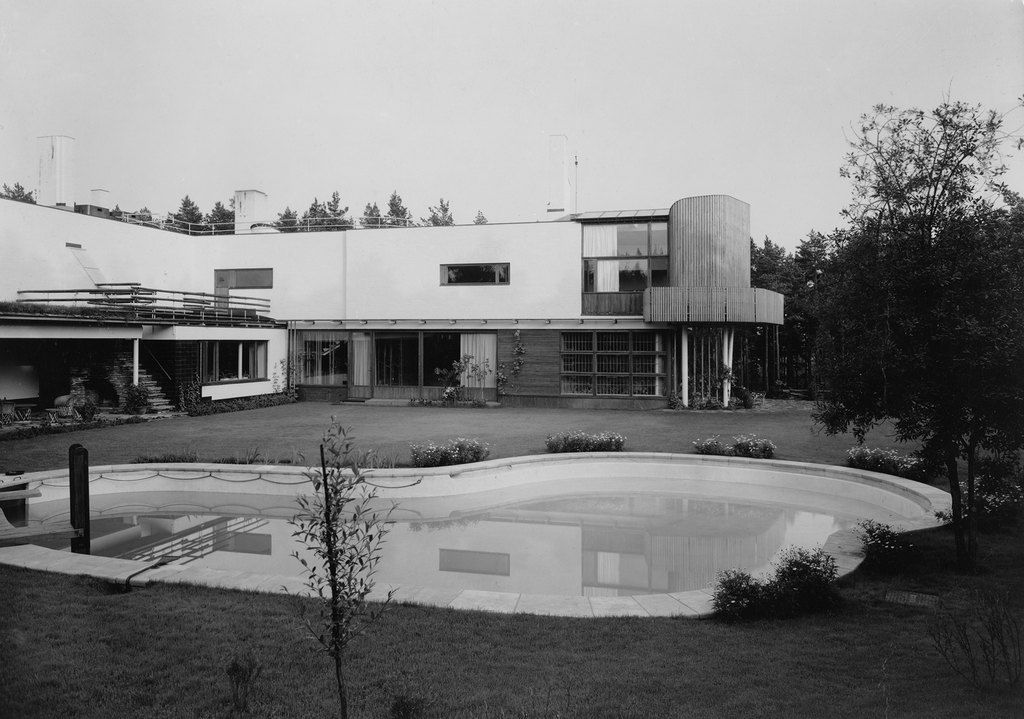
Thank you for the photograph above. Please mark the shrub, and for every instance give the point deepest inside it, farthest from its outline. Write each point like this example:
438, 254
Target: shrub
136, 399
712, 445
205, 407
579, 441
39, 430
804, 580
998, 496
87, 410
887, 461
983, 643
740, 596
455, 451
885, 551
753, 446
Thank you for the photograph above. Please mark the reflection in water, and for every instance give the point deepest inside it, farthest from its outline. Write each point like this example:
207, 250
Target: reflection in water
593, 544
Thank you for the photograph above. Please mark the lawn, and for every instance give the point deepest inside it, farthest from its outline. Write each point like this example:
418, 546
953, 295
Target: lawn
75, 647
284, 431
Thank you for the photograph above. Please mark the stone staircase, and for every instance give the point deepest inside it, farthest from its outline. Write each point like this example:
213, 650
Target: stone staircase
158, 401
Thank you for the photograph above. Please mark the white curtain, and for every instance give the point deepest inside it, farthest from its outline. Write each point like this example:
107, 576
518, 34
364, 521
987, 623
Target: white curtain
607, 568
483, 346
600, 240
360, 370
607, 279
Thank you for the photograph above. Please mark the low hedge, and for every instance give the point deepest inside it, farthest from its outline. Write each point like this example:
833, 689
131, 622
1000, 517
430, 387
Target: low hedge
578, 441
205, 407
455, 451
38, 430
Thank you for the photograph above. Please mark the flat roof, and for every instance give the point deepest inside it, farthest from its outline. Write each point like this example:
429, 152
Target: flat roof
606, 215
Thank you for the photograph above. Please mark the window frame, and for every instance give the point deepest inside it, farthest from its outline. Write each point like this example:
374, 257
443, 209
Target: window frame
210, 352
497, 274
595, 377
648, 257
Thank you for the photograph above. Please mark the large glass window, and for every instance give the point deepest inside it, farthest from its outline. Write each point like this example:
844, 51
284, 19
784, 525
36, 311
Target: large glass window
483, 274
622, 363
233, 360
397, 359
440, 351
605, 246
320, 357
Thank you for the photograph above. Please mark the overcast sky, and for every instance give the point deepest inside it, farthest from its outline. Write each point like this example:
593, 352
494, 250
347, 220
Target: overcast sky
660, 100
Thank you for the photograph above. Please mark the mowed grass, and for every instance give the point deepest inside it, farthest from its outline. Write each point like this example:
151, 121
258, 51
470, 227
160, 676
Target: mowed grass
285, 432
72, 647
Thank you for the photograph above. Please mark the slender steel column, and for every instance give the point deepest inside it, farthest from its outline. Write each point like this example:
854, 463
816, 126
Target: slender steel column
684, 366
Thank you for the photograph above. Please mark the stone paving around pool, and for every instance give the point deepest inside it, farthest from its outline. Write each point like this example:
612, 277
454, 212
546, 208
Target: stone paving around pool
132, 574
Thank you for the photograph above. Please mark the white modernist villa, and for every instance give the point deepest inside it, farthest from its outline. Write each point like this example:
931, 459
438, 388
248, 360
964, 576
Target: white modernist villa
596, 309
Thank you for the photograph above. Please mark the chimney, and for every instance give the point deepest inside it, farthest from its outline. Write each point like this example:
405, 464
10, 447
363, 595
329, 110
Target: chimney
250, 210
56, 180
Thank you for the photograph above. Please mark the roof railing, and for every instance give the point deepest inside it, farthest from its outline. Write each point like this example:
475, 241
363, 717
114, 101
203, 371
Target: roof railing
134, 302
172, 223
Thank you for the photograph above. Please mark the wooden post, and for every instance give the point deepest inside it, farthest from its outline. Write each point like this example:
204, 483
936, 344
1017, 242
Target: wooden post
684, 367
78, 483
135, 361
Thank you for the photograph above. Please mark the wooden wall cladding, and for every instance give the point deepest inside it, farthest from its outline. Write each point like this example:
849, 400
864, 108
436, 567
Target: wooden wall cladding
543, 361
613, 303
709, 242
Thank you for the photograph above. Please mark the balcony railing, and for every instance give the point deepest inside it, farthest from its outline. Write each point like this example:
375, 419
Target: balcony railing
172, 223
713, 304
131, 302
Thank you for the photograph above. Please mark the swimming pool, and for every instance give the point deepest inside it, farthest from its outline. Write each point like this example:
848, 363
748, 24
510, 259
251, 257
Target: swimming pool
581, 527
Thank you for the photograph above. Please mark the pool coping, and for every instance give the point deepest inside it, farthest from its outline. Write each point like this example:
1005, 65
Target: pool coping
844, 546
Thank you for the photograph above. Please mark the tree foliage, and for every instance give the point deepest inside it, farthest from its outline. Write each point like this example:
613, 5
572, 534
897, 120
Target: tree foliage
18, 193
287, 221
398, 215
328, 215
440, 216
920, 305
188, 218
371, 217
480, 219
221, 219
343, 534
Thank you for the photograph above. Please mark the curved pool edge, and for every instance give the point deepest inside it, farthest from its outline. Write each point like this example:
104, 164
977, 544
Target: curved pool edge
844, 546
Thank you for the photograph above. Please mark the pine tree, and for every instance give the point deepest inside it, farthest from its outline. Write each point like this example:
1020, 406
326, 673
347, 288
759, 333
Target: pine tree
480, 219
17, 193
398, 214
188, 217
221, 220
440, 216
286, 221
371, 217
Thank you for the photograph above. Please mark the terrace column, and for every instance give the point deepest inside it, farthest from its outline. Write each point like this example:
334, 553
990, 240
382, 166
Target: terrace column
684, 366
135, 361
727, 338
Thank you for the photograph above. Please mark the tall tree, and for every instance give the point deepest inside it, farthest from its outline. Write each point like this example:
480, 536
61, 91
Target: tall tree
398, 215
221, 219
188, 218
287, 221
328, 215
371, 217
480, 219
440, 216
920, 310
18, 193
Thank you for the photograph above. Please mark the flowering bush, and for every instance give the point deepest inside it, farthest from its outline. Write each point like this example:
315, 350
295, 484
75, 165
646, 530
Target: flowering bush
887, 461
578, 441
455, 451
753, 446
885, 550
739, 596
998, 496
712, 445
742, 446
802, 582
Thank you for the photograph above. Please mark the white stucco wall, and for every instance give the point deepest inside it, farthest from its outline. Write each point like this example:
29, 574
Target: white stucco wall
358, 274
395, 274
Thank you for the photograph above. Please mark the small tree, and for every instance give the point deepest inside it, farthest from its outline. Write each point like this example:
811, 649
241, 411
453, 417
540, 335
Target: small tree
440, 216
398, 215
222, 219
287, 220
18, 193
371, 217
189, 217
480, 219
344, 533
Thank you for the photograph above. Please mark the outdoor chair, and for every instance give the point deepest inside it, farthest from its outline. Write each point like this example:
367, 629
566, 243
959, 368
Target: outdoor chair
7, 413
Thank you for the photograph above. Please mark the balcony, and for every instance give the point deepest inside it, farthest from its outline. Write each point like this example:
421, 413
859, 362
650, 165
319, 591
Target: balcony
613, 303
713, 304
133, 303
